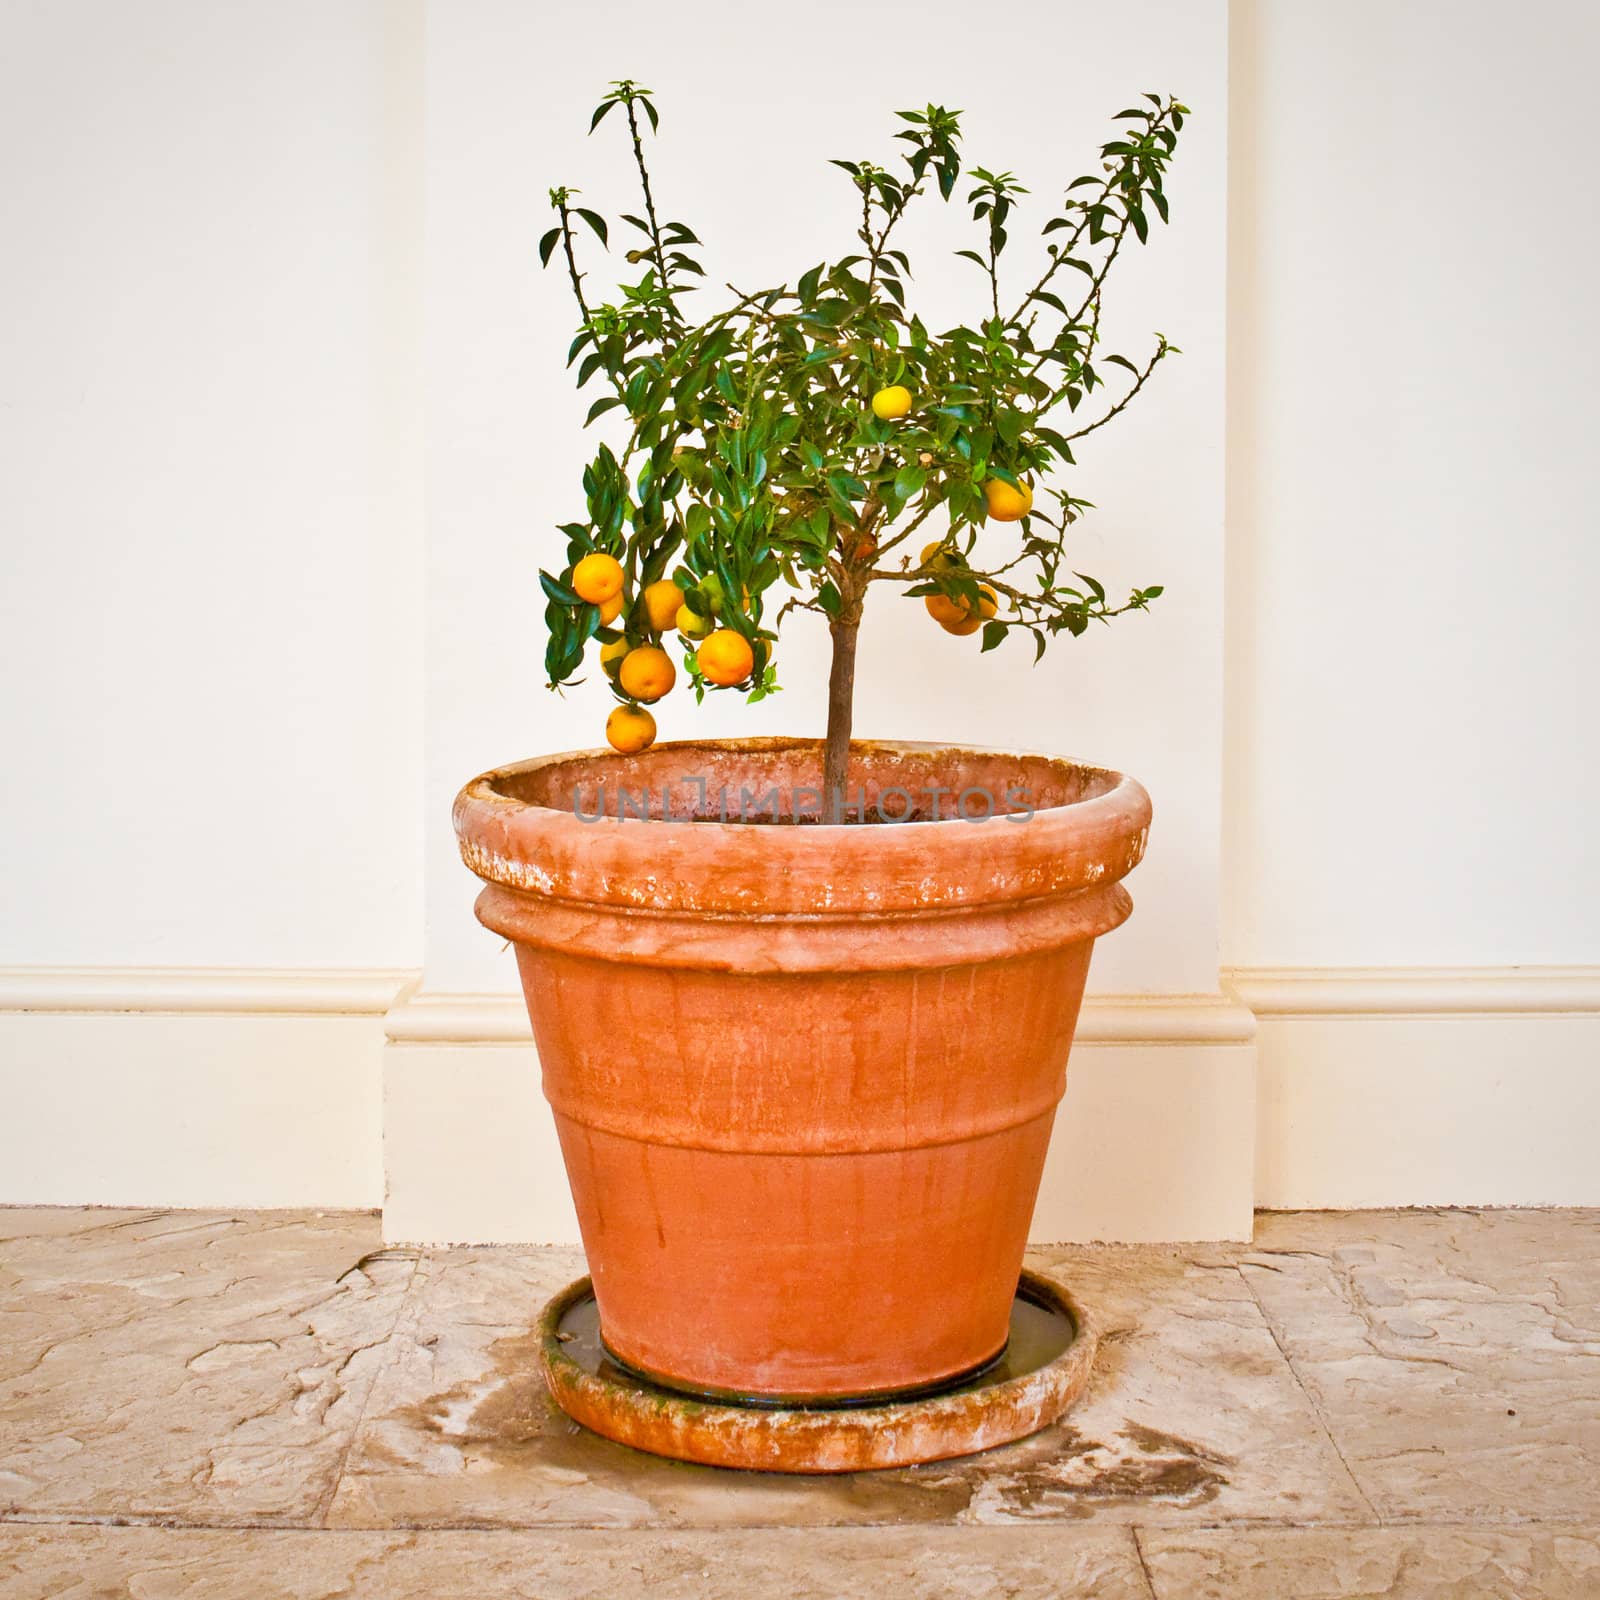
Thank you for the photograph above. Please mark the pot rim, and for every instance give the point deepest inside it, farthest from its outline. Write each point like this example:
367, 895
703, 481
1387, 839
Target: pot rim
740, 868
483, 787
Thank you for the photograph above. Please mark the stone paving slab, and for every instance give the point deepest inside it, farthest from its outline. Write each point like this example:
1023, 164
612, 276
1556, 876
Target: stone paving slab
201, 1366
75, 1562
817, 1564
1397, 1404
1414, 1563
1454, 1356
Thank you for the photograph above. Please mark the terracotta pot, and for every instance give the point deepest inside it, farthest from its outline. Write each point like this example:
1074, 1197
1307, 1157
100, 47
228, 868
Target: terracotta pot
804, 1076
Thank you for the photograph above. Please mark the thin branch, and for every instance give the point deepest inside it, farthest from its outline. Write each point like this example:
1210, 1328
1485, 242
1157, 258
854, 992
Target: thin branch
650, 209
1139, 381
928, 508
1064, 251
572, 260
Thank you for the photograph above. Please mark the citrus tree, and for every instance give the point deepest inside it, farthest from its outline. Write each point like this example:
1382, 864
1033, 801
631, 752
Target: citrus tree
803, 442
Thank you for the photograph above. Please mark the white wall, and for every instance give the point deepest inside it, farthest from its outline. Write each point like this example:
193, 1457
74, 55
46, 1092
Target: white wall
210, 558
247, 654
1413, 653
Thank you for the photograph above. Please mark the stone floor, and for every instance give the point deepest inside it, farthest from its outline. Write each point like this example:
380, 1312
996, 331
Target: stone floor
270, 1405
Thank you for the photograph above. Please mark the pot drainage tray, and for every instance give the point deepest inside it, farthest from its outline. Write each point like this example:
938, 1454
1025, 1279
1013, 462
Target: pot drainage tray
1042, 1370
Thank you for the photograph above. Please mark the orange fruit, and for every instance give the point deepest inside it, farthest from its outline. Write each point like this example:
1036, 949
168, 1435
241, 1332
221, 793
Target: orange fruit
611, 656
957, 616
891, 403
938, 554
611, 609
864, 549
646, 673
597, 578
1007, 502
630, 729
661, 601
725, 658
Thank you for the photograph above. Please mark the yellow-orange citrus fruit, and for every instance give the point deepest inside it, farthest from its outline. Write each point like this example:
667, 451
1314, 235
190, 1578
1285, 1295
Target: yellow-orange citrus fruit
725, 658
971, 621
611, 655
958, 616
944, 610
661, 601
1007, 502
937, 554
611, 609
692, 625
597, 578
646, 673
630, 729
891, 403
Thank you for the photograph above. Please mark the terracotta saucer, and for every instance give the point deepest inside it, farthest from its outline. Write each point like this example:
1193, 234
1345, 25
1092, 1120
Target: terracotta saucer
1042, 1371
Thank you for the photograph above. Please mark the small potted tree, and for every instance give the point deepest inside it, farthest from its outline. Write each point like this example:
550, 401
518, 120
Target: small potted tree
803, 1007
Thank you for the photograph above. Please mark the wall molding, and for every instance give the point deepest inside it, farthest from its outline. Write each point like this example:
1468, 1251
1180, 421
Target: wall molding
1412, 1086
423, 1017
193, 1086
1416, 991
208, 991
418, 1016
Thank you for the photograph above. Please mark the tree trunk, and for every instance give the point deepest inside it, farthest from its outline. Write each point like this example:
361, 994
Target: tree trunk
841, 704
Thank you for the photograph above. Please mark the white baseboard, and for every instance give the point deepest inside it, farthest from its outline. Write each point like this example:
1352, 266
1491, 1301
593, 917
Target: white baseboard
1154, 1140
205, 991
191, 1087
1426, 1086
1323, 1088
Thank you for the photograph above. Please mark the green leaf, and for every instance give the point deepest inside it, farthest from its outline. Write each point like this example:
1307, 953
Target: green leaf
557, 590
993, 632
908, 480
547, 246
599, 114
601, 406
